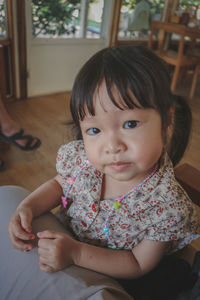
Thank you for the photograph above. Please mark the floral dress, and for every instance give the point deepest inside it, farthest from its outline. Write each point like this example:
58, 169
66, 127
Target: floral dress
159, 210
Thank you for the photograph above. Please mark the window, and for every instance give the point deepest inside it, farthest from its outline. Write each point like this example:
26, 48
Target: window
67, 18
3, 20
136, 17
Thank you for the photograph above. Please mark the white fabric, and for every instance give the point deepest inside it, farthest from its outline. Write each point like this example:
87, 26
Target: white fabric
20, 275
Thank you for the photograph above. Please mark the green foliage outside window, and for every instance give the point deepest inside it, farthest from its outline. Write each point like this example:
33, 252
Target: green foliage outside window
3, 26
185, 3
58, 17
157, 5
55, 18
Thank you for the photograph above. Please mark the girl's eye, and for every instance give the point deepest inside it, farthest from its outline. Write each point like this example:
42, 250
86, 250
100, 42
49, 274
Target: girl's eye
131, 124
93, 131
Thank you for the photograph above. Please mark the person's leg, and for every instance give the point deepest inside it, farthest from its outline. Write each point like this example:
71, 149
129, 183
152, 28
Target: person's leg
8, 126
2, 164
21, 277
5, 120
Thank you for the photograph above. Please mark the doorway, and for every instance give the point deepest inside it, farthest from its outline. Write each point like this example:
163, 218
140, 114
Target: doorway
57, 46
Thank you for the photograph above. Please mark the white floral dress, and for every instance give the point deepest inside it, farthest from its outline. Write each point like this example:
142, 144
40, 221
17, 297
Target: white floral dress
159, 210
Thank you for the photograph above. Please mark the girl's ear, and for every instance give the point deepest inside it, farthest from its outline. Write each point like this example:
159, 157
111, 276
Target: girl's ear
169, 129
170, 125
171, 117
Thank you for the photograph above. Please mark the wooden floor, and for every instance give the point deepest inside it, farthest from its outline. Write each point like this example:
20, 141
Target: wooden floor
44, 117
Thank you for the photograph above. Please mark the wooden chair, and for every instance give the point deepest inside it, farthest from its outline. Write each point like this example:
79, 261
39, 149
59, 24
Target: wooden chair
189, 178
194, 82
179, 58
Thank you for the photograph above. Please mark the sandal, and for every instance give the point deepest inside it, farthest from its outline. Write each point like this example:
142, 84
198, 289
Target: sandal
2, 165
12, 139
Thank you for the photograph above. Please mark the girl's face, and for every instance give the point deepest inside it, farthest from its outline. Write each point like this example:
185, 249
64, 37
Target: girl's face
123, 144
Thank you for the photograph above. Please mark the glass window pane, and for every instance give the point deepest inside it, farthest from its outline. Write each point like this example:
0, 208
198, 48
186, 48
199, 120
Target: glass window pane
51, 18
136, 17
3, 20
66, 18
95, 19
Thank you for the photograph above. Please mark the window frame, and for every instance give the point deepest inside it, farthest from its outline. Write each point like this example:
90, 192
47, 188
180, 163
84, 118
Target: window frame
104, 33
5, 37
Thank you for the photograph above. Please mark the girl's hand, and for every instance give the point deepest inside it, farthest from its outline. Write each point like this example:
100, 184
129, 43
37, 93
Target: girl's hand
20, 230
57, 250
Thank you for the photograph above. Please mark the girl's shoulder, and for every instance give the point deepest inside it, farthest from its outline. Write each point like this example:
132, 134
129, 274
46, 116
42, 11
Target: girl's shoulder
70, 155
72, 148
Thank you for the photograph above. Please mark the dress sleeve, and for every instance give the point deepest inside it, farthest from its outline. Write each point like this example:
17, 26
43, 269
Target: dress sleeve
69, 156
178, 225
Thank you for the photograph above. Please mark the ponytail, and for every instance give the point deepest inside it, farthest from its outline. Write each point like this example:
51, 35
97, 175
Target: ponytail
181, 129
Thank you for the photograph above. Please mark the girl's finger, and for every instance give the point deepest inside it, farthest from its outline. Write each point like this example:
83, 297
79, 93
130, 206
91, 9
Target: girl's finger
45, 268
49, 234
20, 245
15, 228
25, 219
21, 234
44, 243
43, 251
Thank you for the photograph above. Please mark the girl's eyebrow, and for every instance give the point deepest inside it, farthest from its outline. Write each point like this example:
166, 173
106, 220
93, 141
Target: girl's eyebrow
136, 114
88, 120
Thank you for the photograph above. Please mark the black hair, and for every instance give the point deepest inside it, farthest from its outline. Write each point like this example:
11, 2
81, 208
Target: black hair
134, 70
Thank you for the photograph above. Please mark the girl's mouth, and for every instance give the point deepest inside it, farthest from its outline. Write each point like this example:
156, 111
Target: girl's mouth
119, 166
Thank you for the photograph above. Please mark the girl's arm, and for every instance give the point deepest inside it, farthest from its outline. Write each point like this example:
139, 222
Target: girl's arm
45, 197
41, 200
122, 263
58, 250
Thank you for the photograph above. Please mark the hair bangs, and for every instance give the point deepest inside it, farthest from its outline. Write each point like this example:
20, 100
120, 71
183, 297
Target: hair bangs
133, 71
131, 78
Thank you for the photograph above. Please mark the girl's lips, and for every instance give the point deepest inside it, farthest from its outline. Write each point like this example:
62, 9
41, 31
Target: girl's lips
119, 166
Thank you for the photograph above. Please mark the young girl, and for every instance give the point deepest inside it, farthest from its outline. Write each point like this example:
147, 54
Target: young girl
119, 197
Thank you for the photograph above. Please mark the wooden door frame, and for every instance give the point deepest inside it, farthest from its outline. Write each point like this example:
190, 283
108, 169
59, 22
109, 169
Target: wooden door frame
115, 23
21, 33
9, 50
12, 44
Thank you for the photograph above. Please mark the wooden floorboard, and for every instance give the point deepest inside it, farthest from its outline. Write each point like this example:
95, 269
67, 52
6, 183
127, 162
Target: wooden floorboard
46, 118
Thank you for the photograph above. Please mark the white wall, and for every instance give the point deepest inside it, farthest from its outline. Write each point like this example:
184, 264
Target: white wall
52, 68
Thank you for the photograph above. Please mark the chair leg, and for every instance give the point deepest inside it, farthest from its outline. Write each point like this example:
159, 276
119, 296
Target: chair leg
175, 78
194, 82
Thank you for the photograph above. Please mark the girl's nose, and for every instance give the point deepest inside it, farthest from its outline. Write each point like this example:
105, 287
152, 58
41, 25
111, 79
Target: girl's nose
114, 146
